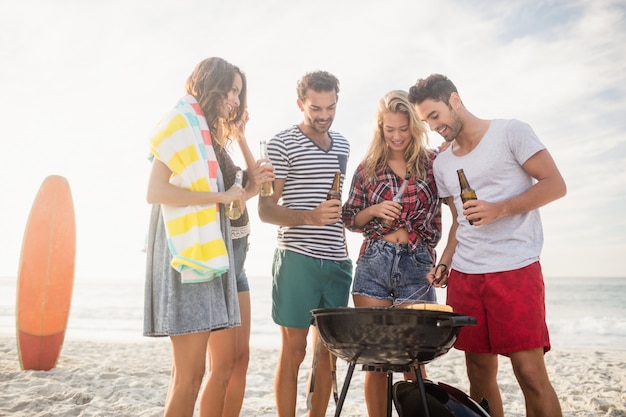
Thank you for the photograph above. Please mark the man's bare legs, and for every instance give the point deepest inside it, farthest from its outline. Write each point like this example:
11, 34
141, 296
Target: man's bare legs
323, 382
482, 370
292, 353
532, 376
530, 370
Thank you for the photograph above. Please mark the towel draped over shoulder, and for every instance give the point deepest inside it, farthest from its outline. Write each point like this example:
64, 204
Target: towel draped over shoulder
182, 141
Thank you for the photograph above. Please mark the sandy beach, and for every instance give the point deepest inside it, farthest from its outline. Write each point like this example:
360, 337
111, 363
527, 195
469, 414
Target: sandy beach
130, 379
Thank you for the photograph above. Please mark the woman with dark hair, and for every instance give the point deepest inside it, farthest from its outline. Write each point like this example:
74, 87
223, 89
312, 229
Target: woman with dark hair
192, 267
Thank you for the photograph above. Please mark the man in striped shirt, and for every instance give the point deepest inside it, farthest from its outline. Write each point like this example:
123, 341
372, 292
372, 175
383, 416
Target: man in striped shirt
311, 265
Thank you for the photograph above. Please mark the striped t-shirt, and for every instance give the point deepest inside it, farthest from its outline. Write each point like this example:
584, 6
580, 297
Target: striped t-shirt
308, 172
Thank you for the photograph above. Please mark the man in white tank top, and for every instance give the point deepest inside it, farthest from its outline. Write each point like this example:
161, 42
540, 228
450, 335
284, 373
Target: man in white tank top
494, 270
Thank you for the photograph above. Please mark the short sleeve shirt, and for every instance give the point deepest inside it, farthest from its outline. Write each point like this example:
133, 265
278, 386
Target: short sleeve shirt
494, 170
308, 172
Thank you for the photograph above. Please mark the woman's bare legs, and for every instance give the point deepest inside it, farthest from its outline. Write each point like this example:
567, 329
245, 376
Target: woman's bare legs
188, 365
221, 363
375, 382
237, 383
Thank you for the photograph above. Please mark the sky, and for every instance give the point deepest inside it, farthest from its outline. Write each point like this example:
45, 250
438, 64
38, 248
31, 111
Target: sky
83, 83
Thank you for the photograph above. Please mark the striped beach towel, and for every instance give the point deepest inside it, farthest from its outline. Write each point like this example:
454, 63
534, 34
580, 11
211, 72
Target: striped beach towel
183, 142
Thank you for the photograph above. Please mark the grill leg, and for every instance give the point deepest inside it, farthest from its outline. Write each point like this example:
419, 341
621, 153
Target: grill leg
344, 388
389, 391
420, 385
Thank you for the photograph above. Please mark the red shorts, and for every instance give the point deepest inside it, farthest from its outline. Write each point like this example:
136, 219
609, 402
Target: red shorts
509, 307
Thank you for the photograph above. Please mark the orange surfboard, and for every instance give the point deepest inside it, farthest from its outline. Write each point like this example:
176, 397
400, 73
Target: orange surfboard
46, 276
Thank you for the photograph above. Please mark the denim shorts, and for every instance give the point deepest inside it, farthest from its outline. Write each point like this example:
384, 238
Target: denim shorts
392, 271
240, 250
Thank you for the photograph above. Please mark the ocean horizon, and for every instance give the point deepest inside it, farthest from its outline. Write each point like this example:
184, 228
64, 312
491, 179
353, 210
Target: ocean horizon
582, 313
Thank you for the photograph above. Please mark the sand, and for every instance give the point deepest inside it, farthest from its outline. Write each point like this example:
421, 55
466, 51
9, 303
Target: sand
130, 379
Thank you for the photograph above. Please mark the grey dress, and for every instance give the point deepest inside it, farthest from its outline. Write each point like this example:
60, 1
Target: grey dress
173, 308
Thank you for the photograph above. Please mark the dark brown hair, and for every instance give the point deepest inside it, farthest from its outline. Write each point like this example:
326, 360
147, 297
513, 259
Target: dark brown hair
210, 83
436, 87
317, 81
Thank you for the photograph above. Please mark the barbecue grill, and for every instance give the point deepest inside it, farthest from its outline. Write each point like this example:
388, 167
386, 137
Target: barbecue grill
393, 340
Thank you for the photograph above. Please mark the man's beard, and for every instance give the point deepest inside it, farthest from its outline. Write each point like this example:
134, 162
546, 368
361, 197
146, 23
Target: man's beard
314, 125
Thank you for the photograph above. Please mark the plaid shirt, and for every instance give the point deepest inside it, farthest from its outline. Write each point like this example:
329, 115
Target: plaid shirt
421, 207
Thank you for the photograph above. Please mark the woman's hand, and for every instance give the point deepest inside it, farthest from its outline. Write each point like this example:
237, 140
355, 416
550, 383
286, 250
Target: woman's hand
386, 211
235, 193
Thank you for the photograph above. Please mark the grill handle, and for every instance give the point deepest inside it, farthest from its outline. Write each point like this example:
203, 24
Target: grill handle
457, 321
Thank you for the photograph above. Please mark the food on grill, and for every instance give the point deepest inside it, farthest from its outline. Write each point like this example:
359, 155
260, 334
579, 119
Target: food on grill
429, 306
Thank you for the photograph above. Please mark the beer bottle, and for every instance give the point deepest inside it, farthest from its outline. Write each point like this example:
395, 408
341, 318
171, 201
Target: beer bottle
234, 208
398, 199
467, 193
334, 193
267, 188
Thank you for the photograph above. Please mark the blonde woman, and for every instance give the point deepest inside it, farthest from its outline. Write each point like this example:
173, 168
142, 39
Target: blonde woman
398, 249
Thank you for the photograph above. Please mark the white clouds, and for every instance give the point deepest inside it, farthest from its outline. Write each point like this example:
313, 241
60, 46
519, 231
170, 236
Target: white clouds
83, 83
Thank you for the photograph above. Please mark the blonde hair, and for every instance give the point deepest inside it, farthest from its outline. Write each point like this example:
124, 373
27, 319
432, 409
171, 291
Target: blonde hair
416, 153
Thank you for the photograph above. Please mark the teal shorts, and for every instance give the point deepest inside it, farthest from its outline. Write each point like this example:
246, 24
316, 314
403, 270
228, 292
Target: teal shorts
303, 283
